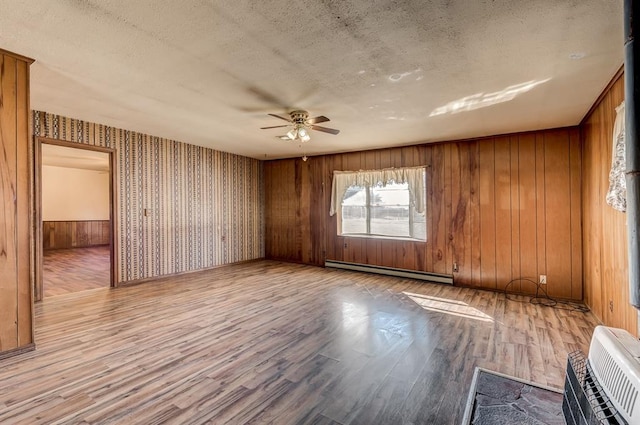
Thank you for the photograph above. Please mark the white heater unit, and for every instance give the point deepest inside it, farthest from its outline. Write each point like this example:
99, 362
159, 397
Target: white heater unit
614, 360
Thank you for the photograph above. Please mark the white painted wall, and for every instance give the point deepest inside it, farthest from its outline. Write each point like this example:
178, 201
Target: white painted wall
74, 194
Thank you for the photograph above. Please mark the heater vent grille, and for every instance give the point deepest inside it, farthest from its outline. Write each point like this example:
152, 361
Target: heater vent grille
391, 271
613, 378
612, 359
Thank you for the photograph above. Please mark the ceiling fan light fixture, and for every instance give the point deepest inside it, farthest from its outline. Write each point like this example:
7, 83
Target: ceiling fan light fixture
301, 124
299, 132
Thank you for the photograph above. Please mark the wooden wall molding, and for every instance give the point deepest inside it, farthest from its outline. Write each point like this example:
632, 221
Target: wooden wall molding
17, 56
17, 351
616, 77
16, 263
500, 208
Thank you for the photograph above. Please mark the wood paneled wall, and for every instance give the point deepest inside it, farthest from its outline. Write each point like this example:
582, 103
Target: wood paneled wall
16, 328
74, 234
606, 278
501, 208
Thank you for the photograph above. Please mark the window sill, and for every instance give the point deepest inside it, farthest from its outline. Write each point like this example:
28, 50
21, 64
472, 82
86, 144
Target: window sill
392, 238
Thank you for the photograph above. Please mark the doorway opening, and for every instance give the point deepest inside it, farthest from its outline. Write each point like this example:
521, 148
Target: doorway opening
75, 218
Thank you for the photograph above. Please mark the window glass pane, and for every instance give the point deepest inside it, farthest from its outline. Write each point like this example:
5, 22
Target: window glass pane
354, 219
354, 210
390, 210
355, 195
419, 226
390, 220
391, 194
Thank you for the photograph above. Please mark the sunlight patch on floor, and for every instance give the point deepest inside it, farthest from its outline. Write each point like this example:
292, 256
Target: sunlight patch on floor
453, 307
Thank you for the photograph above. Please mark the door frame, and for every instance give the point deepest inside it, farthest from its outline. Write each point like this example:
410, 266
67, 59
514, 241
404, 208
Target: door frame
38, 289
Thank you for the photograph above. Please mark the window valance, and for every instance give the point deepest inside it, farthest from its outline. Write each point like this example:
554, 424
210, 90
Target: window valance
413, 176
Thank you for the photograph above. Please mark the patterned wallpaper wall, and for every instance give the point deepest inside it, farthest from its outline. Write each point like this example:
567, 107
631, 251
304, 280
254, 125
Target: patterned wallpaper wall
204, 207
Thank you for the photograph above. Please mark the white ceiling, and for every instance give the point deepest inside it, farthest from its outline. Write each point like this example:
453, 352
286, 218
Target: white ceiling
386, 72
61, 156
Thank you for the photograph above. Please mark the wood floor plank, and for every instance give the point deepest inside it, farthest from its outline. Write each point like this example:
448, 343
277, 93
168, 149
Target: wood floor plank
270, 342
75, 270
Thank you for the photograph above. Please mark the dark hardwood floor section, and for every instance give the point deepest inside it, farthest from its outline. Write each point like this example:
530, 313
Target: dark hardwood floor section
269, 342
75, 269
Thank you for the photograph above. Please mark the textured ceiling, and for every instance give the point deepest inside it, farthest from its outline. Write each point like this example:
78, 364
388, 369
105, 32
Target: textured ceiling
386, 72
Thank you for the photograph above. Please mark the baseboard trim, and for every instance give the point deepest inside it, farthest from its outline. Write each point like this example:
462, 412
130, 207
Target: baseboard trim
74, 247
168, 276
391, 271
17, 351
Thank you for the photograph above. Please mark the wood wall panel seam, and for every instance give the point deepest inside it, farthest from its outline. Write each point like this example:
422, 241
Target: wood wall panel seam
23, 204
8, 138
32, 213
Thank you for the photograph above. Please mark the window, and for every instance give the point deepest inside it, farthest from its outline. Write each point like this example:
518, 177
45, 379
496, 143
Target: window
381, 203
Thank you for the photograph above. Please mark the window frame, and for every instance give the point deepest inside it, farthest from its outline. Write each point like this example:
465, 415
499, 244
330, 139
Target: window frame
369, 187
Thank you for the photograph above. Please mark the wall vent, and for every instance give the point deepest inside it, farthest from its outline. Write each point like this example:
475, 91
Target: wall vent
614, 357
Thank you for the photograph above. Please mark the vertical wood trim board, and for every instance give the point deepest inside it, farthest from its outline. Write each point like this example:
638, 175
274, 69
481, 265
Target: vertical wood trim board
500, 208
179, 207
16, 330
605, 260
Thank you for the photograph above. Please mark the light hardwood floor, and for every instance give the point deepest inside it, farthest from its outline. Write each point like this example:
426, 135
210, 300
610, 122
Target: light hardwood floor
269, 342
74, 270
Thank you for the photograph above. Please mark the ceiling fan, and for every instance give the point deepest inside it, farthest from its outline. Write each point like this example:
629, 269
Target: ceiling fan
301, 124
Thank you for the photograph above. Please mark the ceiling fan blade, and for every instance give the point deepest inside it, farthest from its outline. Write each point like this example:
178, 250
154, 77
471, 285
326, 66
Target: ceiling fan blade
282, 118
325, 129
266, 97
317, 120
273, 126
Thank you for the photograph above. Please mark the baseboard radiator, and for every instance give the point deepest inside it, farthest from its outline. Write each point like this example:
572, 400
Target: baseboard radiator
603, 388
391, 271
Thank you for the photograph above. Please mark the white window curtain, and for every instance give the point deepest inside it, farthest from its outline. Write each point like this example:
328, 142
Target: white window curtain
413, 176
617, 193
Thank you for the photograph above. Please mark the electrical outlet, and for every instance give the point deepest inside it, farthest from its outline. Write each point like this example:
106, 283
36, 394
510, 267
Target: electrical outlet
543, 279
611, 306
455, 267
